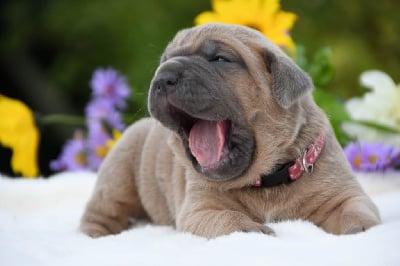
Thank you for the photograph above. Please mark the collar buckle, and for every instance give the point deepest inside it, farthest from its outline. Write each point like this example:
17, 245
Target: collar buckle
307, 166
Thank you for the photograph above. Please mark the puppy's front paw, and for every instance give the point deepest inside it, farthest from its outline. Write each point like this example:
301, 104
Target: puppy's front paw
259, 228
358, 216
96, 224
211, 223
353, 223
94, 230
353, 216
102, 227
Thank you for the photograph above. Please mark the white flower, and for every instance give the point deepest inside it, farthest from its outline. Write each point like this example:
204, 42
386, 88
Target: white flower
380, 106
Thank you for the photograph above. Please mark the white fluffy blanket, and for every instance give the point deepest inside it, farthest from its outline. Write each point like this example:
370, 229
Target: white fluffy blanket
39, 220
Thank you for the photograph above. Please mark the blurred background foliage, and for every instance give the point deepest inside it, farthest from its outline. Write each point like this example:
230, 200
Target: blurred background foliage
49, 49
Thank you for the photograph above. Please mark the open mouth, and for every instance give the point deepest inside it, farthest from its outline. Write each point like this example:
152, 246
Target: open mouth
207, 141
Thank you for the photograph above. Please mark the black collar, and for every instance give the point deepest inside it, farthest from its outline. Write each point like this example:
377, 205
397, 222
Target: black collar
279, 177
291, 171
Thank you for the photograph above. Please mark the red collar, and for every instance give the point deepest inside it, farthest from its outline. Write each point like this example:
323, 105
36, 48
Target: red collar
292, 171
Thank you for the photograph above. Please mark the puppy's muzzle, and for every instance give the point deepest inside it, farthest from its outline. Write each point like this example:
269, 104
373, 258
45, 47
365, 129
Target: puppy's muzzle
189, 98
166, 82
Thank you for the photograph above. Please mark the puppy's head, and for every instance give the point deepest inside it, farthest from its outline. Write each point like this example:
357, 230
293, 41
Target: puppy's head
229, 94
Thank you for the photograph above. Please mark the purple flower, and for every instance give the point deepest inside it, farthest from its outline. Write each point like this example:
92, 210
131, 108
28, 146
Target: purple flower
110, 85
371, 156
73, 156
97, 145
103, 110
110, 91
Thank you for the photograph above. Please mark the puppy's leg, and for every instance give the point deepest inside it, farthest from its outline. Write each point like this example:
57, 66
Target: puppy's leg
355, 215
212, 220
113, 202
213, 223
115, 197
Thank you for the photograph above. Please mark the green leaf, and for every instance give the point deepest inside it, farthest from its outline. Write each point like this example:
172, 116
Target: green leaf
331, 104
321, 71
320, 68
334, 108
301, 59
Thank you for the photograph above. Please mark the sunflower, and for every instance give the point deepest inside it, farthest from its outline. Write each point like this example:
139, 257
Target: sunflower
18, 132
263, 15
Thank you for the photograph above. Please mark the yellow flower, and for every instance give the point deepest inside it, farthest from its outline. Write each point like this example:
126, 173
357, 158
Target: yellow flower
18, 132
116, 136
263, 15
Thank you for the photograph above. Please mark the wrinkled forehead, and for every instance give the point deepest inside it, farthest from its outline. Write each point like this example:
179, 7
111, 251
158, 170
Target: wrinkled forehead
206, 47
209, 38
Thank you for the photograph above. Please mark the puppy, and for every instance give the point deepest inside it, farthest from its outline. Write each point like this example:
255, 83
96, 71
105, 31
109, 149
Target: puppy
235, 141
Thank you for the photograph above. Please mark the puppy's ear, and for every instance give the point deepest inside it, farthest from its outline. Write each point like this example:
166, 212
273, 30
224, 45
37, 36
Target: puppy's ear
289, 82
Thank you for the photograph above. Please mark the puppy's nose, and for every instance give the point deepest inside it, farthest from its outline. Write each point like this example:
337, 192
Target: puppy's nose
166, 81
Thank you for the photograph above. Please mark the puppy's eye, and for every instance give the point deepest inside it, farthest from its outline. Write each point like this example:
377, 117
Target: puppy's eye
220, 58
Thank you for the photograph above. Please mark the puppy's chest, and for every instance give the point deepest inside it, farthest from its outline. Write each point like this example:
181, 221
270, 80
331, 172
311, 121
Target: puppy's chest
269, 205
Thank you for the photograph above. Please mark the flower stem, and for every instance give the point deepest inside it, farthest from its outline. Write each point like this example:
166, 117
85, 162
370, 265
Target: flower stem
72, 120
381, 127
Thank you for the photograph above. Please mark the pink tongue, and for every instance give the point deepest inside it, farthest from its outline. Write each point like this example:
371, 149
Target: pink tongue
206, 141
